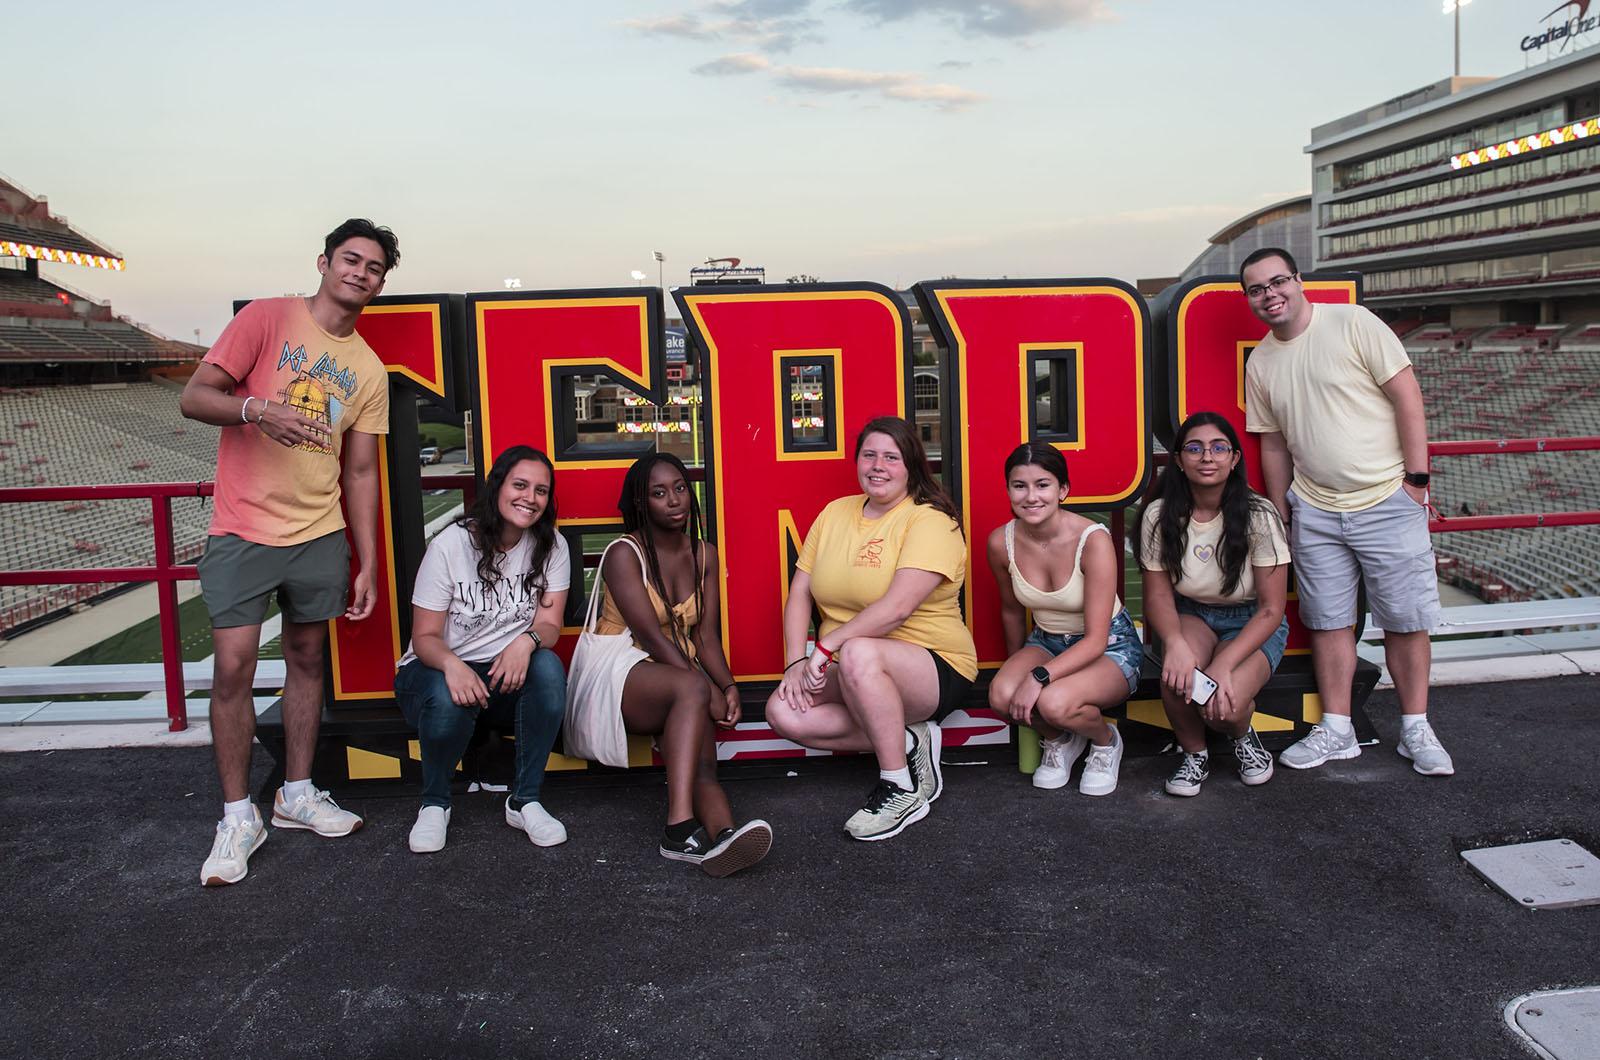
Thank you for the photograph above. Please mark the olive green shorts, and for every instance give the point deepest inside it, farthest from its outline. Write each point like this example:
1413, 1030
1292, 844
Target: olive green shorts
237, 577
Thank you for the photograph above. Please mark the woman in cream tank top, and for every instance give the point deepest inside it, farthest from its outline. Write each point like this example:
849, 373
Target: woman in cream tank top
1083, 653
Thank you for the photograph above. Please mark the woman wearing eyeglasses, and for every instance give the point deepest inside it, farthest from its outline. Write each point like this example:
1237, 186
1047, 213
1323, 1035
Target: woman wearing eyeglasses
1215, 581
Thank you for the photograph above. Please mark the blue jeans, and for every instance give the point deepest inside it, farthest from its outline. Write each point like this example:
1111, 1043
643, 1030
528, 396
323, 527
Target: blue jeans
1226, 621
1123, 646
444, 729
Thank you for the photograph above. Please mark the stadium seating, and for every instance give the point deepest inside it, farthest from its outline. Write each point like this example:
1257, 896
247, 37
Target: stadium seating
78, 435
1514, 381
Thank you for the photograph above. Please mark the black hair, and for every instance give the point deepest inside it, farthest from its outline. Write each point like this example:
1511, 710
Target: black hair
634, 504
1262, 255
483, 521
1239, 506
1041, 455
920, 483
361, 228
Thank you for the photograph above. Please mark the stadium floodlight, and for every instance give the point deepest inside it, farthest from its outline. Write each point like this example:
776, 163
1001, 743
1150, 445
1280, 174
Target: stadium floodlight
513, 283
638, 277
1453, 7
660, 265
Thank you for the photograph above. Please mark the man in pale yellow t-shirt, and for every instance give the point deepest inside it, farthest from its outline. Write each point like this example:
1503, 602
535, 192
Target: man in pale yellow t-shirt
1332, 395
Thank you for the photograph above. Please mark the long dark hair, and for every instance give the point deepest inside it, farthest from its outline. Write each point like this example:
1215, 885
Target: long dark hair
484, 523
1240, 505
634, 504
920, 483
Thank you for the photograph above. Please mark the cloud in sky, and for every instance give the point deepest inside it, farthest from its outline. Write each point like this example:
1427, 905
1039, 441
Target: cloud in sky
996, 18
904, 87
748, 22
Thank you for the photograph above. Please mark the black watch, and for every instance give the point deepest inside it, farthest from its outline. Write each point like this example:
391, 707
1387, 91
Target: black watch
533, 635
1418, 479
1041, 675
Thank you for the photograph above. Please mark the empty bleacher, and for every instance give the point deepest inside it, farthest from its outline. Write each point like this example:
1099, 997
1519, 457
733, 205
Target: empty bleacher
77, 435
1514, 381
40, 338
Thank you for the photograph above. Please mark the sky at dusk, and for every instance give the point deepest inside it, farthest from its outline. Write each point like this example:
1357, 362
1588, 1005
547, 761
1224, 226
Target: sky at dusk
214, 145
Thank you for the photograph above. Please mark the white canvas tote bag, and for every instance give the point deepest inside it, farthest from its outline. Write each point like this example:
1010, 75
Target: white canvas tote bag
600, 663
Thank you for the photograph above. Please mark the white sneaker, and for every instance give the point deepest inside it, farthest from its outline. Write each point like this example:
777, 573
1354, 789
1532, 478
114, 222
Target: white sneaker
1426, 753
315, 812
427, 835
1100, 769
231, 850
544, 830
1318, 746
1056, 758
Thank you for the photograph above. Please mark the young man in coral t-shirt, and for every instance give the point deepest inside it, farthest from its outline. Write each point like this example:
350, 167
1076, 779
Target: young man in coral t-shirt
293, 387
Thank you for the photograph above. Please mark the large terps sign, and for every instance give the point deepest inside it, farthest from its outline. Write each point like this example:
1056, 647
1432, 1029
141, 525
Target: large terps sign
784, 378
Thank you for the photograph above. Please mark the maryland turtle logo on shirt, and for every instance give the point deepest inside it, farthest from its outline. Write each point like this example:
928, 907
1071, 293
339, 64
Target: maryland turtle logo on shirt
870, 554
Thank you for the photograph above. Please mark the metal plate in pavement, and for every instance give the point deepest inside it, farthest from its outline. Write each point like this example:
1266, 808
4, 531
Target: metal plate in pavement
1549, 874
1559, 1024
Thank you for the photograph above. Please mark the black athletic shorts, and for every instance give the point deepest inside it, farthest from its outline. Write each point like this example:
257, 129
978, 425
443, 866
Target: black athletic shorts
953, 688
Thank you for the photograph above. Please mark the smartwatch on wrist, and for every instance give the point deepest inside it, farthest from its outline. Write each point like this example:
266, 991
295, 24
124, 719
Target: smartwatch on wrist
1418, 479
1041, 675
533, 635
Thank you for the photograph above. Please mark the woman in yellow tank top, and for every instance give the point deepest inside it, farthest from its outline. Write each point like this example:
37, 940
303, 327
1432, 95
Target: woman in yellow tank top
664, 592
1083, 655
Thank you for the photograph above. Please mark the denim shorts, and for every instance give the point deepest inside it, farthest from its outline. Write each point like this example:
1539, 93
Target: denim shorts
1122, 647
1226, 620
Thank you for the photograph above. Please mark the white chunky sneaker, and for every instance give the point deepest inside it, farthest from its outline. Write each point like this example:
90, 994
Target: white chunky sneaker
231, 849
541, 828
1056, 758
1427, 754
927, 740
315, 812
427, 835
1318, 746
1100, 769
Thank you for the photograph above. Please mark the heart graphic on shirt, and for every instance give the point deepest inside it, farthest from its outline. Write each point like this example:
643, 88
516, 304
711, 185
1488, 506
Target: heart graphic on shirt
1203, 553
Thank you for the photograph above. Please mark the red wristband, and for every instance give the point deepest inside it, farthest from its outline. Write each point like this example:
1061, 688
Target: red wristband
824, 652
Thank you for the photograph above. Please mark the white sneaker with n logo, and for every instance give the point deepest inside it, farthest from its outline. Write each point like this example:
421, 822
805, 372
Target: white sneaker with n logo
235, 841
315, 812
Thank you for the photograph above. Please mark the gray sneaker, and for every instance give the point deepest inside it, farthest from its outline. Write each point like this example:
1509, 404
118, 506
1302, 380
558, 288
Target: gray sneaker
924, 759
1319, 746
888, 811
1255, 765
1427, 755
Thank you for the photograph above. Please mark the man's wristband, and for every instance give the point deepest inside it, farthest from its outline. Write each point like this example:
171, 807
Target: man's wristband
244, 411
1417, 479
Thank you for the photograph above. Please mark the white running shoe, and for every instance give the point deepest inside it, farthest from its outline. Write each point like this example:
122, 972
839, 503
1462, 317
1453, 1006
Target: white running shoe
315, 812
927, 740
1056, 758
231, 849
1426, 753
542, 829
427, 835
1100, 769
1318, 746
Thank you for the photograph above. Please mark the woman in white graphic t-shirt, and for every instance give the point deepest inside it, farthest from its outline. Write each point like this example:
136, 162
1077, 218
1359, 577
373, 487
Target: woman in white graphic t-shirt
485, 612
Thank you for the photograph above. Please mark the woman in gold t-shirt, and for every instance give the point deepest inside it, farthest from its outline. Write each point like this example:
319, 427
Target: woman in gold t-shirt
884, 568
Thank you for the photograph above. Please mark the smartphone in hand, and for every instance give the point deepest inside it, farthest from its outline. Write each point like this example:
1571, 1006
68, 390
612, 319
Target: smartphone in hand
1204, 688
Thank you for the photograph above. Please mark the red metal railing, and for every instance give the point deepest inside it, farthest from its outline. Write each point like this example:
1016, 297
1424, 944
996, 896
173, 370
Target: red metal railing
165, 573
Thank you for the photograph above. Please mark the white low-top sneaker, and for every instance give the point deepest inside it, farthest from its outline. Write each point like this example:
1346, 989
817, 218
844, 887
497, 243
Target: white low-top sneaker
541, 828
1318, 746
315, 812
1056, 758
231, 849
1427, 754
1100, 769
427, 835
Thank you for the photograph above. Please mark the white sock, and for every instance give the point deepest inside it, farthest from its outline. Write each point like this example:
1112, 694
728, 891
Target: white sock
900, 778
1413, 721
241, 812
293, 789
1338, 724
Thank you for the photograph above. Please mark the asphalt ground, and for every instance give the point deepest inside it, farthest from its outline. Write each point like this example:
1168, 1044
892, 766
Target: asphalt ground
1326, 914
